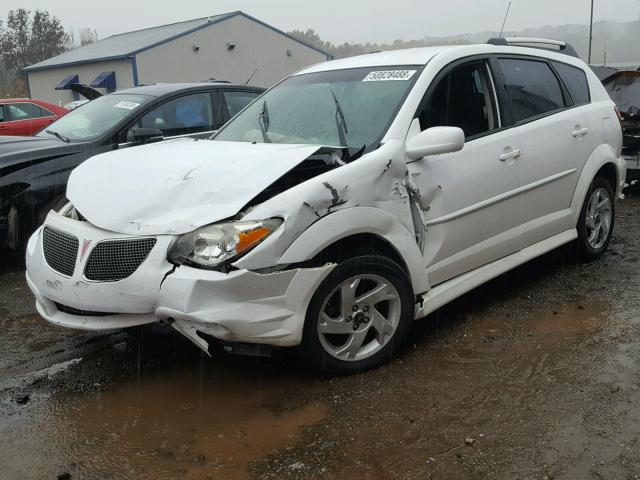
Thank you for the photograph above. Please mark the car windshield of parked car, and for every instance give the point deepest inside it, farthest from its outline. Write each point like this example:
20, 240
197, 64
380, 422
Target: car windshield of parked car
342, 108
95, 118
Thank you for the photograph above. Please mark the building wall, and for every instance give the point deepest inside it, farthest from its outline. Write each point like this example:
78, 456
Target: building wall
257, 47
42, 83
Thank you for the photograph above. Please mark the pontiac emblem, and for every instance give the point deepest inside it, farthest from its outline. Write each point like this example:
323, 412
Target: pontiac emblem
85, 247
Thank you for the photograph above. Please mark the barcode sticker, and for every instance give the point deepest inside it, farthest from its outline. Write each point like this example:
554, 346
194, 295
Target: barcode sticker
389, 75
127, 105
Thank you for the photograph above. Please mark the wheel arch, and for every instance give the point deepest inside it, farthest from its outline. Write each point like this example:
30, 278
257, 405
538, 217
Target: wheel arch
345, 231
602, 162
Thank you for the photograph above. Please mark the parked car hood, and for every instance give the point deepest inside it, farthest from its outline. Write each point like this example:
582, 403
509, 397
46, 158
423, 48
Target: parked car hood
16, 151
177, 186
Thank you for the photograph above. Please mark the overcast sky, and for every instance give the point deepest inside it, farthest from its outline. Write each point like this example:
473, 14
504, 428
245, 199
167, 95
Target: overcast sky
337, 20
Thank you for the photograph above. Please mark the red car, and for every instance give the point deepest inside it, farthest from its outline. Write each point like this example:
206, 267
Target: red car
24, 117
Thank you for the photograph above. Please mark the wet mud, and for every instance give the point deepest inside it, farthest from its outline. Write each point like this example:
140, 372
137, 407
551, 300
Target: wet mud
534, 375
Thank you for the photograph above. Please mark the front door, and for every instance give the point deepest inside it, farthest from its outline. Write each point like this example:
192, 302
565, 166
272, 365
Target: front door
468, 199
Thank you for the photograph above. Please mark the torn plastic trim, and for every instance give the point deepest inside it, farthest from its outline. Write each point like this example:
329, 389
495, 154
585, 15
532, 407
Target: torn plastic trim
242, 306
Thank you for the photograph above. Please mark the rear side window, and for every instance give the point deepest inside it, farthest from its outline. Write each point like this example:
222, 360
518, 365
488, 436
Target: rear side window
45, 113
533, 87
1, 113
576, 82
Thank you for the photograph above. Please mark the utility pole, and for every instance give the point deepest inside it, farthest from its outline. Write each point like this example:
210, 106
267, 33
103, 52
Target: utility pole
590, 33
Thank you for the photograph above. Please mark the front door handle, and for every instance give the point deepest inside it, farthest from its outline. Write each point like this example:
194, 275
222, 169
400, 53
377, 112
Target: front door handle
511, 155
580, 132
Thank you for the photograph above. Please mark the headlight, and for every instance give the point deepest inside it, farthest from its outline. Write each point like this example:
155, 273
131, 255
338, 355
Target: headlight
215, 245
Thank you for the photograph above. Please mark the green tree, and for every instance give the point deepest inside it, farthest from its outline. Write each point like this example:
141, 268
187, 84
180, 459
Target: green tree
27, 39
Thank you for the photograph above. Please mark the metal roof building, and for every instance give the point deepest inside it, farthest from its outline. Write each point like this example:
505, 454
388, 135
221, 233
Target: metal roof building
235, 47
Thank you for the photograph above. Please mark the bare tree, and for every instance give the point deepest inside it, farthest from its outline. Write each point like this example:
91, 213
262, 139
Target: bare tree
87, 36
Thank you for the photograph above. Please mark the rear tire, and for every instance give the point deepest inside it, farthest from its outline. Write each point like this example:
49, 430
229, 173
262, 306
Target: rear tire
359, 316
597, 220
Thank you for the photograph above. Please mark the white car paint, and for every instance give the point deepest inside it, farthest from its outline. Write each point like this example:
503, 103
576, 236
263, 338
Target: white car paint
186, 184
456, 220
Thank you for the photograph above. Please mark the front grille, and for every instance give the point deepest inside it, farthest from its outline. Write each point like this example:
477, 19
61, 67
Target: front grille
60, 250
117, 259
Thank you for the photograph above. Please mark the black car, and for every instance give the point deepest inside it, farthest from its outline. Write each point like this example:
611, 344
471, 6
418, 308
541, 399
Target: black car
34, 170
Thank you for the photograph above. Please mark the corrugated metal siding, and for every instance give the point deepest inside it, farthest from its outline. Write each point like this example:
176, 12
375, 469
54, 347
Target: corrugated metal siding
125, 43
257, 47
42, 83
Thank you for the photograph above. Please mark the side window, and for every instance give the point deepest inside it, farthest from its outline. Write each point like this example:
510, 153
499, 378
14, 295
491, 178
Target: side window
24, 111
576, 82
236, 101
463, 98
2, 107
181, 116
533, 87
45, 113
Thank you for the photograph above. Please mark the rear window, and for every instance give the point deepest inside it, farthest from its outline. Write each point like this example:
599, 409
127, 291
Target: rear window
576, 82
533, 87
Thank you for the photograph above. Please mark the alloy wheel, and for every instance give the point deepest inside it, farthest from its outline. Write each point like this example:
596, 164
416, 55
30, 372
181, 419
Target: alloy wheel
359, 317
598, 219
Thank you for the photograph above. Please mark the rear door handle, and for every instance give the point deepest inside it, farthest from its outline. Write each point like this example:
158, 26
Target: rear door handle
511, 155
580, 132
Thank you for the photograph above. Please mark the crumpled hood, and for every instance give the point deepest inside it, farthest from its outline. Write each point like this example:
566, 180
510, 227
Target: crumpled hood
174, 187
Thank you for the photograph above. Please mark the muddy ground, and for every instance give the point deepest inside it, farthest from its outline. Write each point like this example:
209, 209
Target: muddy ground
533, 376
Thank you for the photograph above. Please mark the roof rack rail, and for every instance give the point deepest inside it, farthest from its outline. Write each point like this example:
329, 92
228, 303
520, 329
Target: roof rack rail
542, 43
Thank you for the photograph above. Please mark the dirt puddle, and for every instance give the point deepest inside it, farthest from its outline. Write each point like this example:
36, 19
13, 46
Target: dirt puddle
185, 423
484, 388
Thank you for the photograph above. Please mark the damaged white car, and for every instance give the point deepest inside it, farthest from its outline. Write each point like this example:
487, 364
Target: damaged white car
347, 201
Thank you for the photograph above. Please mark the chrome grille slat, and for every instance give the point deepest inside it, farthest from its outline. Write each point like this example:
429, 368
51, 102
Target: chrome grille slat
60, 250
115, 260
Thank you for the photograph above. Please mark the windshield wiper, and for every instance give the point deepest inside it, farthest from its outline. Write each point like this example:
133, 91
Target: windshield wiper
263, 120
343, 131
59, 136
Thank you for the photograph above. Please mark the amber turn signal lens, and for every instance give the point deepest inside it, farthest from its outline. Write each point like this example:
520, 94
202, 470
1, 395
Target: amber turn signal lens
246, 240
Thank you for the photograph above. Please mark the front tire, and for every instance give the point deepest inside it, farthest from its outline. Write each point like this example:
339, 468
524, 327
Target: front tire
359, 316
597, 220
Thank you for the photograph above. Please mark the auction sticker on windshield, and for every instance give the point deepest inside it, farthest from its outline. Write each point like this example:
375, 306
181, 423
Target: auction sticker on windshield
127, 105
387, 75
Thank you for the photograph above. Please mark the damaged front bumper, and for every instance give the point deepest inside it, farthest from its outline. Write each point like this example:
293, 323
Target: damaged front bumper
240, 306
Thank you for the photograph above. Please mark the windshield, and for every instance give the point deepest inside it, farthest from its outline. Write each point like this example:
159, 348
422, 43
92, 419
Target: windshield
348, 108
95, 118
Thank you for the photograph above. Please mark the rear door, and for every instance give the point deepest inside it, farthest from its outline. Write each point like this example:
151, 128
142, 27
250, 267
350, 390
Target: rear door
554, 134
467, 199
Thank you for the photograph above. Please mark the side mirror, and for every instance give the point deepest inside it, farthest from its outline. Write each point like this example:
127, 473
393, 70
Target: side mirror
147, 135
435, 141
